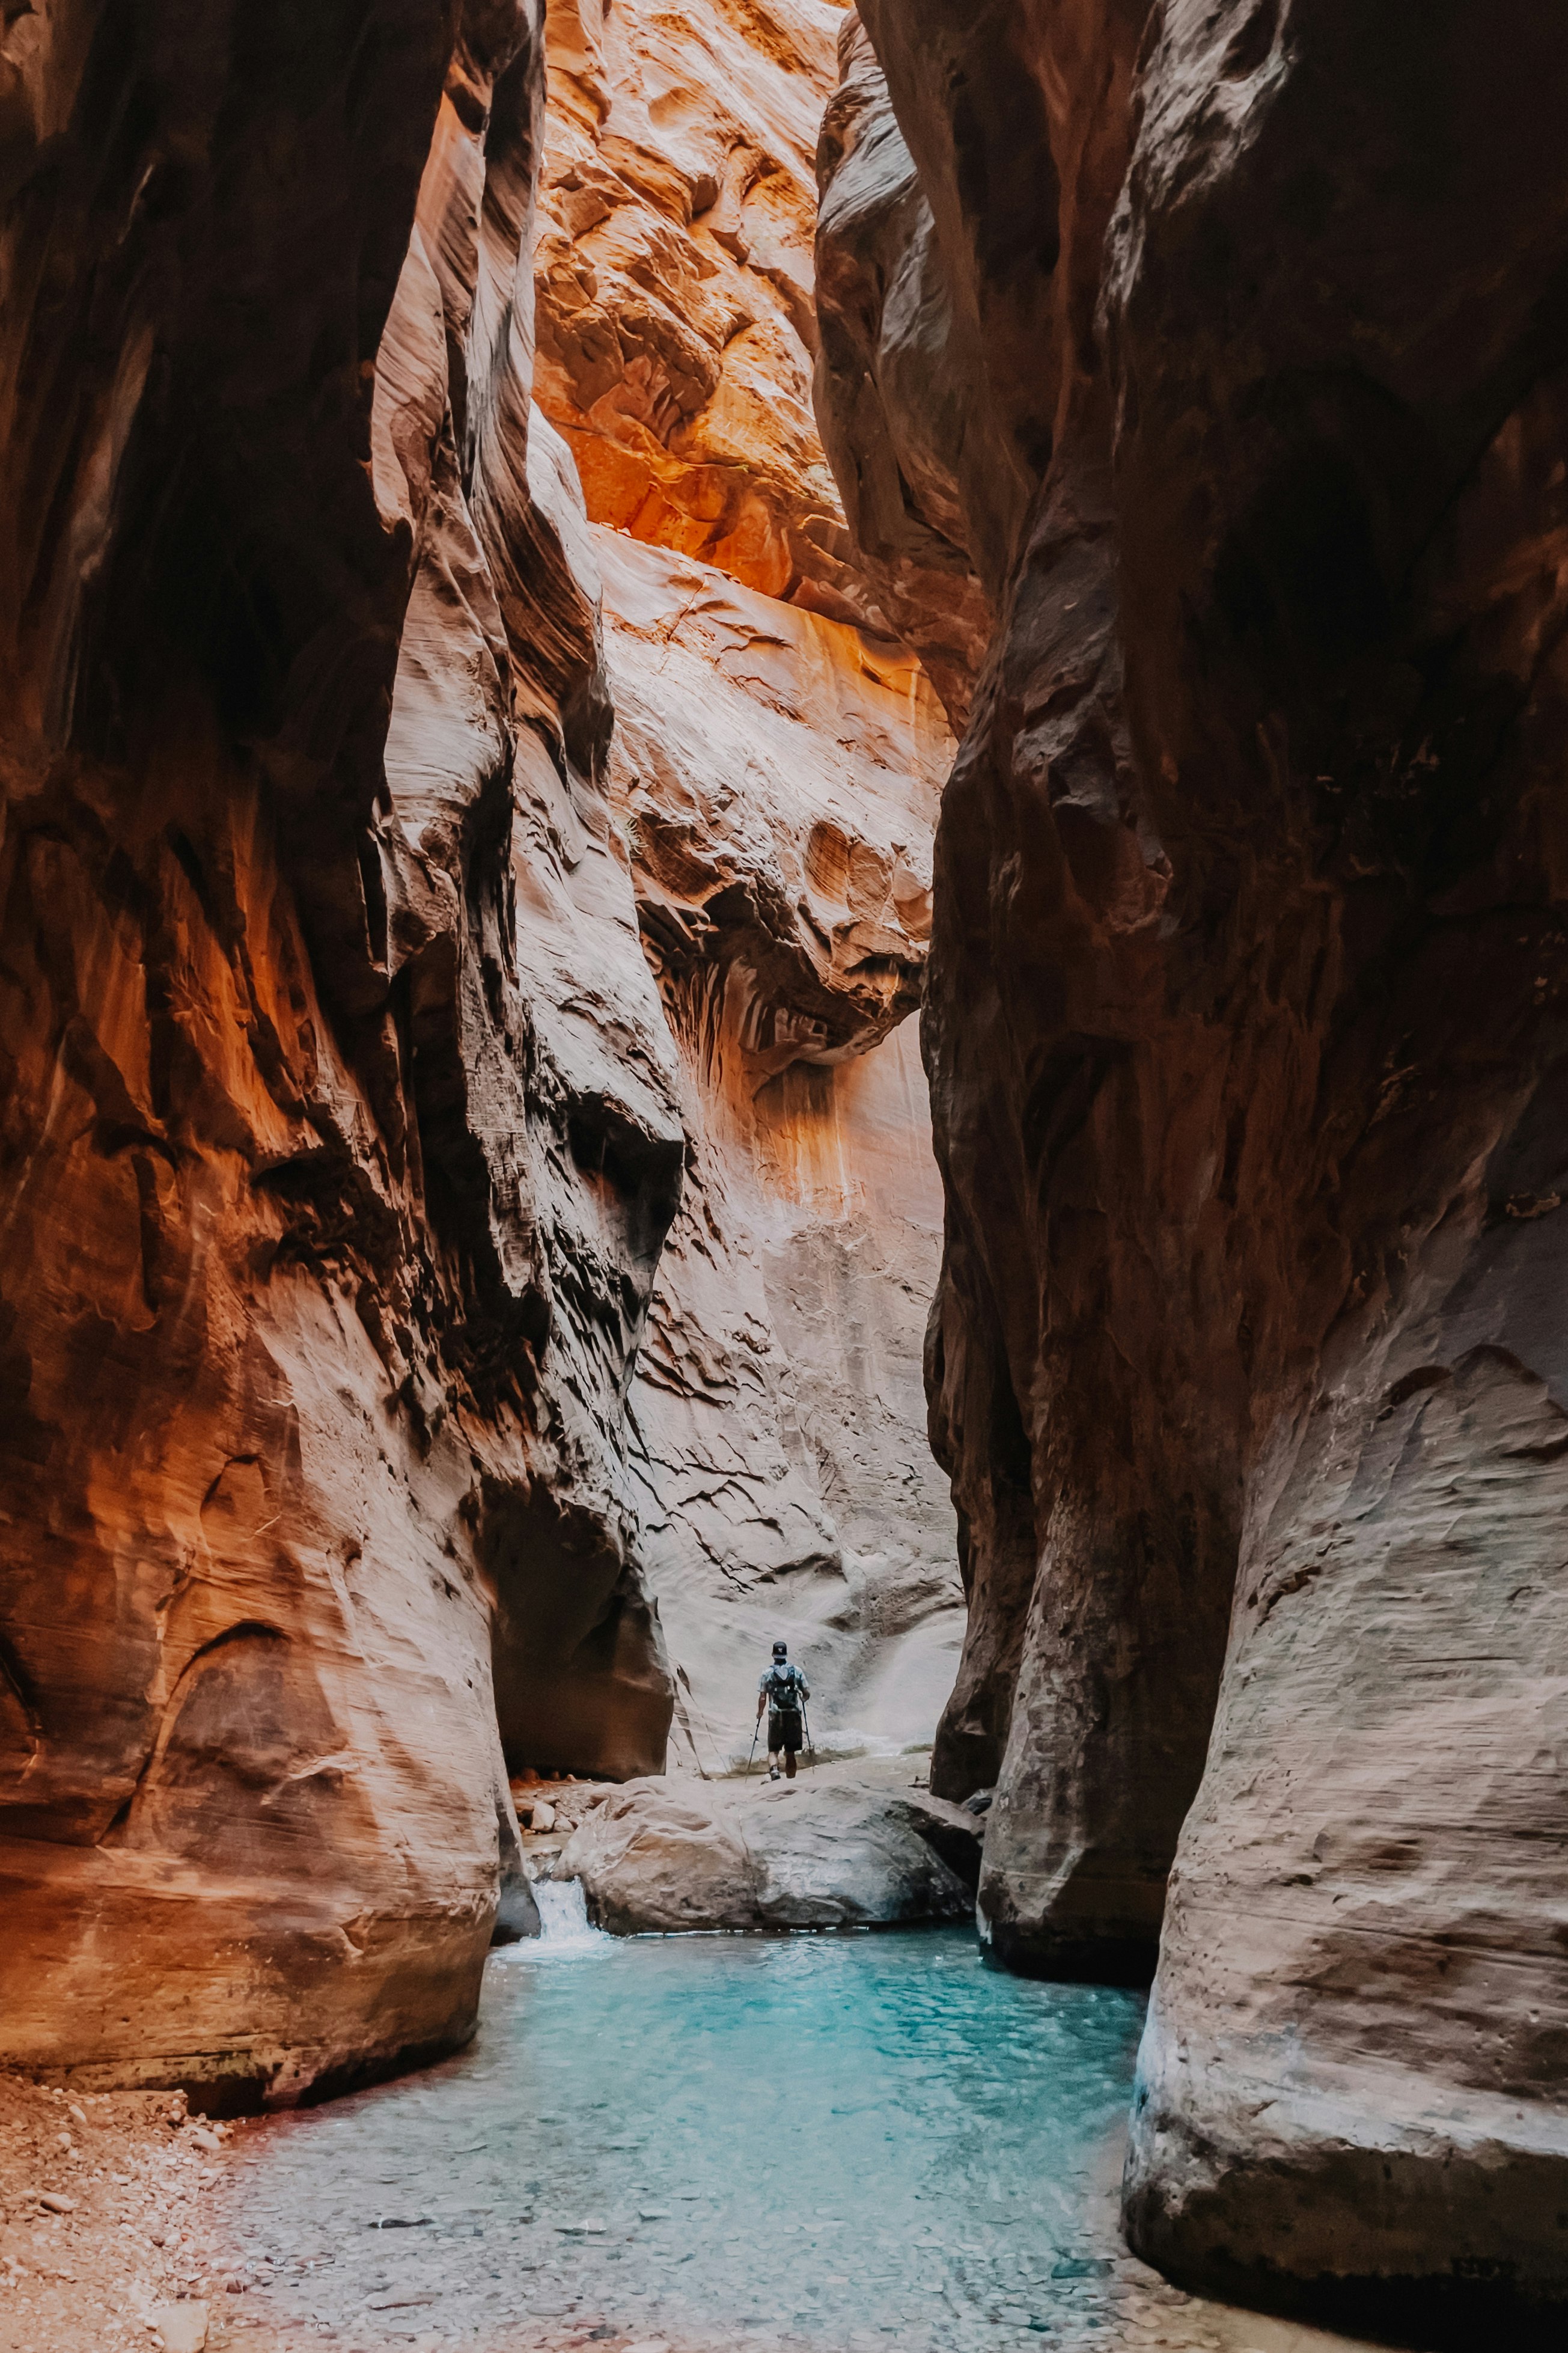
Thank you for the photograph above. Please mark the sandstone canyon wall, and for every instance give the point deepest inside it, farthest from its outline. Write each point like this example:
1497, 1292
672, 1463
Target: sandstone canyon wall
340, 1123
776, 765
345, 1115
676, 313
779, 776
1245, 1038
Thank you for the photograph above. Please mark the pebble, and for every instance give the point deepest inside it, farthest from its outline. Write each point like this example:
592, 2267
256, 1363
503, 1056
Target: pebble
56, 2204
182, 2327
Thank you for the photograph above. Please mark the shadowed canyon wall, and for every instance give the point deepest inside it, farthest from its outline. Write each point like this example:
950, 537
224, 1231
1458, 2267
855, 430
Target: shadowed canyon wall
1245, 1028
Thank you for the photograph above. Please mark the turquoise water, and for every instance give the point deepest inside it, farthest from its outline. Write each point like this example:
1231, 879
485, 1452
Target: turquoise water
830, 2140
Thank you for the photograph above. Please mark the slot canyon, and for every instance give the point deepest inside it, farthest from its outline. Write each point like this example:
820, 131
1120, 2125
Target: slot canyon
779, 867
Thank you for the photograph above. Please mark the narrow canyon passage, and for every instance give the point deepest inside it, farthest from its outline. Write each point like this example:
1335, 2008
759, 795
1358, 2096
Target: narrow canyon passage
784, 870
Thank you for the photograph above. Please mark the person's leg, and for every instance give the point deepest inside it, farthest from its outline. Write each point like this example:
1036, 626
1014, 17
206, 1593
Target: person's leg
789, 1764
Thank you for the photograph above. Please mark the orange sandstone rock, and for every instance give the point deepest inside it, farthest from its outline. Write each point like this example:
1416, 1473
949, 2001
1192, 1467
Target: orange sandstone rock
329, 1215
776, 769
1244, 1018
777, 774
675, 311
342, 1122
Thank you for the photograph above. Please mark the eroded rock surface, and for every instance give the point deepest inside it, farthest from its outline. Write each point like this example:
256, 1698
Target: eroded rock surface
345, 1119
675, 316
339, 1130
839, 1851
1244, 1023
776, 767
900, 388
778, 776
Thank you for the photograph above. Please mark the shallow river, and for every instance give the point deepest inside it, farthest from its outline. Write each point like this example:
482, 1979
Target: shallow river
834, 2141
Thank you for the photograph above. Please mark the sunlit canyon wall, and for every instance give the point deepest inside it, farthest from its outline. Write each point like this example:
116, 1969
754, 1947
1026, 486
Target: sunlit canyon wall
345, 1117
341, 1121
776, 764
1224, 348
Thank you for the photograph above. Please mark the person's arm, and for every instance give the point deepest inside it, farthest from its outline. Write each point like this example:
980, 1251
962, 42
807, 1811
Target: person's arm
762, 1702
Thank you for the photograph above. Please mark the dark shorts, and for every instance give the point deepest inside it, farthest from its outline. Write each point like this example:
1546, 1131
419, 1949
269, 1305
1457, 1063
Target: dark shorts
783, 1732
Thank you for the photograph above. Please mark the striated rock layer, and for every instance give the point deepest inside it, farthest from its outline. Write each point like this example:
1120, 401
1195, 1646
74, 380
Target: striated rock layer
775, 768
339, 1129
677, 324
344, 1116
778, 776
1246, 1034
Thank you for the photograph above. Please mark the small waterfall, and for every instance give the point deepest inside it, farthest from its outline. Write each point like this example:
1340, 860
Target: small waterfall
565, 1925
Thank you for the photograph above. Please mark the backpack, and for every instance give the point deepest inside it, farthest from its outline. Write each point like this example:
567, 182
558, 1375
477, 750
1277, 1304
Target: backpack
783, 1689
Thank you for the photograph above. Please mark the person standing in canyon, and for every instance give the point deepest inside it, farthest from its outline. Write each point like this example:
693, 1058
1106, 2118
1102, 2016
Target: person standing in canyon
784, 1692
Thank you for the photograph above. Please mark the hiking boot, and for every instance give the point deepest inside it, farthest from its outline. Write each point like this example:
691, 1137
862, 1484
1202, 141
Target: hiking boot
773, 1772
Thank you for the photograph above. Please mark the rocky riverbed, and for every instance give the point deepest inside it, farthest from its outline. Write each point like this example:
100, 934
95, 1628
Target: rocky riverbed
107, 2221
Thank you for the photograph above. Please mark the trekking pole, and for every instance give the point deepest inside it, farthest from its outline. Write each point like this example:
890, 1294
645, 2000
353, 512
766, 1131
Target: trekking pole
752, 1750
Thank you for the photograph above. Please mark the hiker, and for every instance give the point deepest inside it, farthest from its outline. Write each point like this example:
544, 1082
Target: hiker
784, 1692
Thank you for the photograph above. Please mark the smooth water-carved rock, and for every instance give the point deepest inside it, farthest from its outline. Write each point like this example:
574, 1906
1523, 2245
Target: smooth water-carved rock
332, 1214
1244, 1032
1089, 1712
1369, 755
776, 769
846, 1852
777, 774
343, 1122
899, 385
675, 316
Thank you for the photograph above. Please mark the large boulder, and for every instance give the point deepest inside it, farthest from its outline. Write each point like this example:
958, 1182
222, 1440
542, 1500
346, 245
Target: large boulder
843, 1853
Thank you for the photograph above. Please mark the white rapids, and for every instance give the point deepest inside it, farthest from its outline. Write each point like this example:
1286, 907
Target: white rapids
566, 1928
